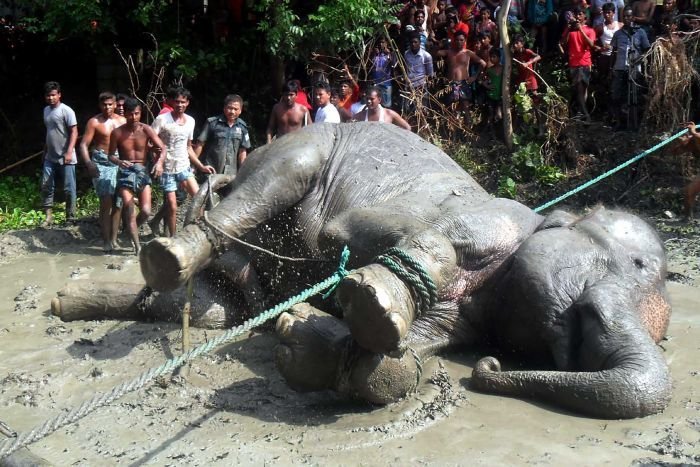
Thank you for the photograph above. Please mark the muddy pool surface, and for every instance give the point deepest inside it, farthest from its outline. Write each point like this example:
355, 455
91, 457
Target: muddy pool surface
232, 407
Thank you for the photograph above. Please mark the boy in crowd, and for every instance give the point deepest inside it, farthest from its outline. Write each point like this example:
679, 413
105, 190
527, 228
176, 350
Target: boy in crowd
59, 152
131, 141
176, 129
94, 148
224, 138
287, 115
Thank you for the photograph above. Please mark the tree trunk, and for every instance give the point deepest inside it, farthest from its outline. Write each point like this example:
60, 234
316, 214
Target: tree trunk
82, 300
502, 21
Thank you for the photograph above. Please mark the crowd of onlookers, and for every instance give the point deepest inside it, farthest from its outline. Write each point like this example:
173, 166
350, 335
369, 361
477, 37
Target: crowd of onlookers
450, 52
454, 44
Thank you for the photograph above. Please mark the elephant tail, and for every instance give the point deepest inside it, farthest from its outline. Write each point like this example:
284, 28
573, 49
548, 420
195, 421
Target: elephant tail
638, 385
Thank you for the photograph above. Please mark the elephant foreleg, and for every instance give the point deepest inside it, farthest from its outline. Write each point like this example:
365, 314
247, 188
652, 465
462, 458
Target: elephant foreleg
272, 180
237, 267
378, 305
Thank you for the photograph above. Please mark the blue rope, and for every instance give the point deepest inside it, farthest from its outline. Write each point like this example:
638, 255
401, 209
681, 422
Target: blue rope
610, 172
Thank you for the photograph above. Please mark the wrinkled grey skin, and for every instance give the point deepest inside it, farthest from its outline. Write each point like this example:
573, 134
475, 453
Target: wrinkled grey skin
588, 292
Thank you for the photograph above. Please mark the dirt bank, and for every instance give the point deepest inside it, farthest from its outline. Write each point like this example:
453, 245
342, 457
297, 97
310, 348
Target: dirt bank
232, 407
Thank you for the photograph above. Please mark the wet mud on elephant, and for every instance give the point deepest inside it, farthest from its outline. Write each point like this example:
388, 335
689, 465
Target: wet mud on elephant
587, 292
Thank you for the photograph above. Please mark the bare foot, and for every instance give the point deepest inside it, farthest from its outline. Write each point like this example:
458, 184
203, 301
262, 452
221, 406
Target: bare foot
312, 348
107, 247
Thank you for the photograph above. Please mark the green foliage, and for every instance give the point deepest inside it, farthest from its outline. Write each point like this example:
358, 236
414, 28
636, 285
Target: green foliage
20, 195
462, 156
336, 26
523, 103
507, 187
70, 18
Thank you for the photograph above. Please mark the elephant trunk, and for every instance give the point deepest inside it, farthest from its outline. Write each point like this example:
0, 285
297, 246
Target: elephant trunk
636, 384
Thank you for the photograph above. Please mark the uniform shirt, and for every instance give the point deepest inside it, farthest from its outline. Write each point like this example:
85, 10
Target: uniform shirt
175, 137
222, 143
420, 66
328, 114
58, 123
623, 41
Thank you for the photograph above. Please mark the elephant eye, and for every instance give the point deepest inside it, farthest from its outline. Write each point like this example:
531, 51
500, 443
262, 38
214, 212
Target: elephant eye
639, 262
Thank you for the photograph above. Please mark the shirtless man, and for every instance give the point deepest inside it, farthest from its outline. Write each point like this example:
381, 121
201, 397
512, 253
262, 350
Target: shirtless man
287, 115
375, 112
93, 150
131, 139
643, 14
458, 60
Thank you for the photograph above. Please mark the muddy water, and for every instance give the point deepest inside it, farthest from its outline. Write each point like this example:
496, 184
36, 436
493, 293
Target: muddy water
232, 407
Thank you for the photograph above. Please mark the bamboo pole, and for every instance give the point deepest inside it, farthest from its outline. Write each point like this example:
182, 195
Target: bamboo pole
12, 166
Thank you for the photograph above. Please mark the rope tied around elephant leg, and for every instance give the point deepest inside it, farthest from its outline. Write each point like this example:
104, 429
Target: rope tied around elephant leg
413, 273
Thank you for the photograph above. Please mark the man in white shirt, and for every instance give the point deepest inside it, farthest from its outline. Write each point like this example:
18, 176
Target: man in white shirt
326, 111
176, 129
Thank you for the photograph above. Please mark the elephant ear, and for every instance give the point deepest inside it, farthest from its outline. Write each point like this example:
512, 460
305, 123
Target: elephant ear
621, 372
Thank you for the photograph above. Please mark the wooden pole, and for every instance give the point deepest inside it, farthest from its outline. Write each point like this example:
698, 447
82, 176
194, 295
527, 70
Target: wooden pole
186, 310
502, 21
12, 166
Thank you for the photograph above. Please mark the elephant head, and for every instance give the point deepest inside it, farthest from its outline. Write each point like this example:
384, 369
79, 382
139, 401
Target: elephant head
589, 291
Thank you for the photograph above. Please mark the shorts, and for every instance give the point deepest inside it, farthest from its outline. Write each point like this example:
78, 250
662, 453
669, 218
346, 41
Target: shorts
460, 91
106, 182
170, 182
135, 178
580, 74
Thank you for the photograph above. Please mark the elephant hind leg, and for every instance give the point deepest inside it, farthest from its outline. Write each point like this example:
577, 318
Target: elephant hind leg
317, 352
378, 305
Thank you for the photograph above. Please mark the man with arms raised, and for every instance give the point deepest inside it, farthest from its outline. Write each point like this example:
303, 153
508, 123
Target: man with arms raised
131, 140
94, 149
375, 112
287, 115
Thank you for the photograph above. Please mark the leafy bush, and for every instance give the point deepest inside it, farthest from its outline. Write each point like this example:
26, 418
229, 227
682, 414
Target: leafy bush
19, 197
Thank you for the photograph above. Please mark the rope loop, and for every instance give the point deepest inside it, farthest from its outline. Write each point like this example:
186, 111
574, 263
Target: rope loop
413, 273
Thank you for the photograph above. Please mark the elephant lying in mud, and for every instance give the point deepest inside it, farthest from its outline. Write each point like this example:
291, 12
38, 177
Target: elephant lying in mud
586, 292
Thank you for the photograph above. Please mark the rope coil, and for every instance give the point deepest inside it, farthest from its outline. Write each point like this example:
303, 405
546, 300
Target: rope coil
413, 274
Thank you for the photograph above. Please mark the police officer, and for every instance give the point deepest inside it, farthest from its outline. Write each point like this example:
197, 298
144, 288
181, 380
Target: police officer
224, 138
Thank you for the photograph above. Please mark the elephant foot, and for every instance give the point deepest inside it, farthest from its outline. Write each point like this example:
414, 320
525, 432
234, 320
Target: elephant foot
313, 345
378, 308
167, 263
317, 352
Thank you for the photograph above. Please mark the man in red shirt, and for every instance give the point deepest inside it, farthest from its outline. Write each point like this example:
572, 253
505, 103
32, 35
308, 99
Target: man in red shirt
579, 40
